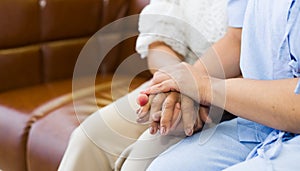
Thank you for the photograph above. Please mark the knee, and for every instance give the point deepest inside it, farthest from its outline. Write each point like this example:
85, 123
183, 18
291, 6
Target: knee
79, 137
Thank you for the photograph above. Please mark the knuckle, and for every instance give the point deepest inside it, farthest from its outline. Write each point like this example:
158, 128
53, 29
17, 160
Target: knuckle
166, 116
164, 122
168, 104
155, 76
187, 108
154, 101
151, 97
186, 99
160, 86
158, 98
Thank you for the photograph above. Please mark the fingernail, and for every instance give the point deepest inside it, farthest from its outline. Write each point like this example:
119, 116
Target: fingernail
151, 130
156, 117
141, 114
140, 120
188, 132
162, 130
138, 111
177, 105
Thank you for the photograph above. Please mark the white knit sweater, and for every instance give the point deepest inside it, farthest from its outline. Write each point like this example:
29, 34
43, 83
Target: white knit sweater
188, 26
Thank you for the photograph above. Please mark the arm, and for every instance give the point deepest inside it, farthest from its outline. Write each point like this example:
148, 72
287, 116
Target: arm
161, 55
152, 42
269, 102
272, 103
164, 105
223, 58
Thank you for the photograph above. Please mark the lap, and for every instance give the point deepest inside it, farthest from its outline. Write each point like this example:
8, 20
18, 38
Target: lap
101, 138
212, 149
140, 154
224, 150
113, 127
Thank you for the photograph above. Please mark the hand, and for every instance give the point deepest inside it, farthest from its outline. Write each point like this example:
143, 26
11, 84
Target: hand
188, 117
182, 78
172, 114
154, 106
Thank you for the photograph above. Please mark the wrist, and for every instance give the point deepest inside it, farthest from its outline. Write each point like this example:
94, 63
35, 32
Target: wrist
200, 67
160, 56
216, 92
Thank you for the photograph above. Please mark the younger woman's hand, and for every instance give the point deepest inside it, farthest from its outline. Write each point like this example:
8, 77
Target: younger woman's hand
182, 78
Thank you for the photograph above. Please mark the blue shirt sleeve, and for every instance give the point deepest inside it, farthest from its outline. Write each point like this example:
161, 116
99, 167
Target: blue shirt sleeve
236, 11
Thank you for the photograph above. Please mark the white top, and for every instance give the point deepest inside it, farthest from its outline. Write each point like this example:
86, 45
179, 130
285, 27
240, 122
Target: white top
188, 26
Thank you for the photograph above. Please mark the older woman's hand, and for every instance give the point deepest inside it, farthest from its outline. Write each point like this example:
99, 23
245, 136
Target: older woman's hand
171, 114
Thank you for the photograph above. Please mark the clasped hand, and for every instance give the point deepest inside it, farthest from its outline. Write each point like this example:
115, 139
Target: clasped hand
171, 105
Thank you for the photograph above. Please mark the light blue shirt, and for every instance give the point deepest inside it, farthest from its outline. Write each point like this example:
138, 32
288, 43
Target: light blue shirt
270, 49
270, 42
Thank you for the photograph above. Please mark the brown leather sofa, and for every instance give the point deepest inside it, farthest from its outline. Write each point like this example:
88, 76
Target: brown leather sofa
40, 41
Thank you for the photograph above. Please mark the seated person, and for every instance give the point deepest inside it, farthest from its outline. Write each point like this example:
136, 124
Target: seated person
262, 41
171, 31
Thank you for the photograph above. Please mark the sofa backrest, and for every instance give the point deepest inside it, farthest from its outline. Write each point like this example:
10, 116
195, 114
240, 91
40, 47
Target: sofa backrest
40, 39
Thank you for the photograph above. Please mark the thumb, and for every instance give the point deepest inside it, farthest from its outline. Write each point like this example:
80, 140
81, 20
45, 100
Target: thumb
142, 99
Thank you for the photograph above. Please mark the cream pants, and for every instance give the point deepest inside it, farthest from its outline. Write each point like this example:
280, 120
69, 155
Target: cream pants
110, 139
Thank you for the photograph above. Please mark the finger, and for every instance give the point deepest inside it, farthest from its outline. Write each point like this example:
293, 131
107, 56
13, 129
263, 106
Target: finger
143, 114
142, 99
176, 116
167, 112
189, 115
154, 127
158, 77
163, 87
143, 120
204, 114
157, 102
198, 125
144, 110
156, 116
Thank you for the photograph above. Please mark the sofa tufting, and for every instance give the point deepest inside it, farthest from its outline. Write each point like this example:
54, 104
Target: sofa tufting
40, 41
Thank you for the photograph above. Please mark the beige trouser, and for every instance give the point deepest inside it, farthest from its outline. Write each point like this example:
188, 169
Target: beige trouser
110, 134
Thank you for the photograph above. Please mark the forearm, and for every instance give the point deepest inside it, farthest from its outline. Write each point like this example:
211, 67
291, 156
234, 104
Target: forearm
161, 55
272, 103
222, 59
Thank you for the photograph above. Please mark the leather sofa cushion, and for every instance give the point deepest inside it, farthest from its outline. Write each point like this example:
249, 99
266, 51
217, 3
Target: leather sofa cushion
20, 67
57, 124
63, 19
13, 138
59, 58
18, 17
46, 113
